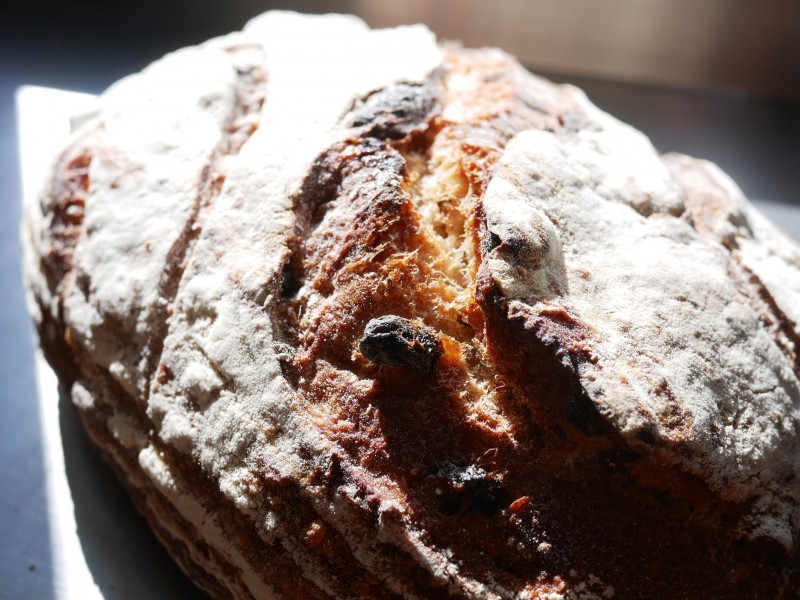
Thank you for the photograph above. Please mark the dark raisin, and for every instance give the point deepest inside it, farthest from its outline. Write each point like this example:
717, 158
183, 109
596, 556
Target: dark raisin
485, 493
395, 341
467, 488
449, 503
394, 112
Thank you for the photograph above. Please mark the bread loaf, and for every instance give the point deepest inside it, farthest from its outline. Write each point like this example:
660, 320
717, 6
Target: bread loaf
353, 314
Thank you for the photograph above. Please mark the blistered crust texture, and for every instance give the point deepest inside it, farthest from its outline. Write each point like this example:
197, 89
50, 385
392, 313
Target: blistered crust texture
356, 315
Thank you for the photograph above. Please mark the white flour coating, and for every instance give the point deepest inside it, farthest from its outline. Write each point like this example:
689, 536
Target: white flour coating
681, 355
220, 321
144, 178
125, 431
213, 534
529, 254
221, 325
759, 245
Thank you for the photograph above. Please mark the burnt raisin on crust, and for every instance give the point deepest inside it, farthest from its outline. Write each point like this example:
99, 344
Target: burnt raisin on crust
394, 341
385, 350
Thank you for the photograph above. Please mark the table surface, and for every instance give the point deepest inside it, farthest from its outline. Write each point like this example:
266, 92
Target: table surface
66, 528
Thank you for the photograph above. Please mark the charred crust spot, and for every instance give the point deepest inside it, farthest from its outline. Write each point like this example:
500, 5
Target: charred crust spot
395, 341
514, 245
393, 113
68, 194
467, 488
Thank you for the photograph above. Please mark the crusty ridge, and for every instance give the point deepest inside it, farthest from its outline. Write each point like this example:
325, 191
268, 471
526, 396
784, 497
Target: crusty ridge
277, 455
242, 121
115, 419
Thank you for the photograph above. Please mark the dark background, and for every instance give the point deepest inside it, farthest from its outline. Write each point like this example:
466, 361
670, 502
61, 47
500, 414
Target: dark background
735, 100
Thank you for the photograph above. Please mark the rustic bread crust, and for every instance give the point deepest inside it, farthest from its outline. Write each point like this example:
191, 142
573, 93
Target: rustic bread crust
399, 319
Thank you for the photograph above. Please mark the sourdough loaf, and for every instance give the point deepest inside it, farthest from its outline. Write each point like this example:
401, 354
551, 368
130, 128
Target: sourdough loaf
353, 314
